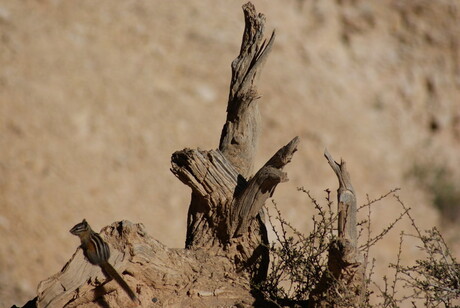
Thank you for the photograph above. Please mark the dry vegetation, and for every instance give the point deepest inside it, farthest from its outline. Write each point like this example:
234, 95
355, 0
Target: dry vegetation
432, 280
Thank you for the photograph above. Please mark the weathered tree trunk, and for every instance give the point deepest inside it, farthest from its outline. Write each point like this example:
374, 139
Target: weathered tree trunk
225, 210
239, 138
226, 236
159, 275
342, 286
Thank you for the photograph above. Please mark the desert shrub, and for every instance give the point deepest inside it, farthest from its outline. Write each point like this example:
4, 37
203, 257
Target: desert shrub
299, 261
433, 279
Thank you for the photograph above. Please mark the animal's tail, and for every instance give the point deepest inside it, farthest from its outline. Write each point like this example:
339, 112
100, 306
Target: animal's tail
114, 274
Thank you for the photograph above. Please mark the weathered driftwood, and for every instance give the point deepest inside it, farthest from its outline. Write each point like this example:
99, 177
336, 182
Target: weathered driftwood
345, 274
223, 216
249, 203
346, 202
239, 138
161, 276
226, 236
224, 208
223, 202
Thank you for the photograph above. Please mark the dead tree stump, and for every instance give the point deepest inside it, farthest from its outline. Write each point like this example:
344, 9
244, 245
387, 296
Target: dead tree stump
342, 285
225, 213
226, 241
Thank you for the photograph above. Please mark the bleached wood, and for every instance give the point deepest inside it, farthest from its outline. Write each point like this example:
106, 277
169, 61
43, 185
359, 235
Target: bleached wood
346, 201
260, 188
225, 200
345, 264
169, 277
239, 138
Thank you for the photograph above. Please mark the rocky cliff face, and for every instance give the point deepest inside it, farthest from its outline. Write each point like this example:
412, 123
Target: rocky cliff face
95, 97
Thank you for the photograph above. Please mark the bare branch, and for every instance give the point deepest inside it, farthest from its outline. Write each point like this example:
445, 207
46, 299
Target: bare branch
261, 187
239, 138
346, 201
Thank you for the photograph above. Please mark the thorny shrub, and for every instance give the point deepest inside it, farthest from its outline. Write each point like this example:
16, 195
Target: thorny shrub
299, 261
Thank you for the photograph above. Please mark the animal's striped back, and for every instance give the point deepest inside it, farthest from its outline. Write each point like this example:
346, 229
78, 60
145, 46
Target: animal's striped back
98, 253
101, 248
95, 249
